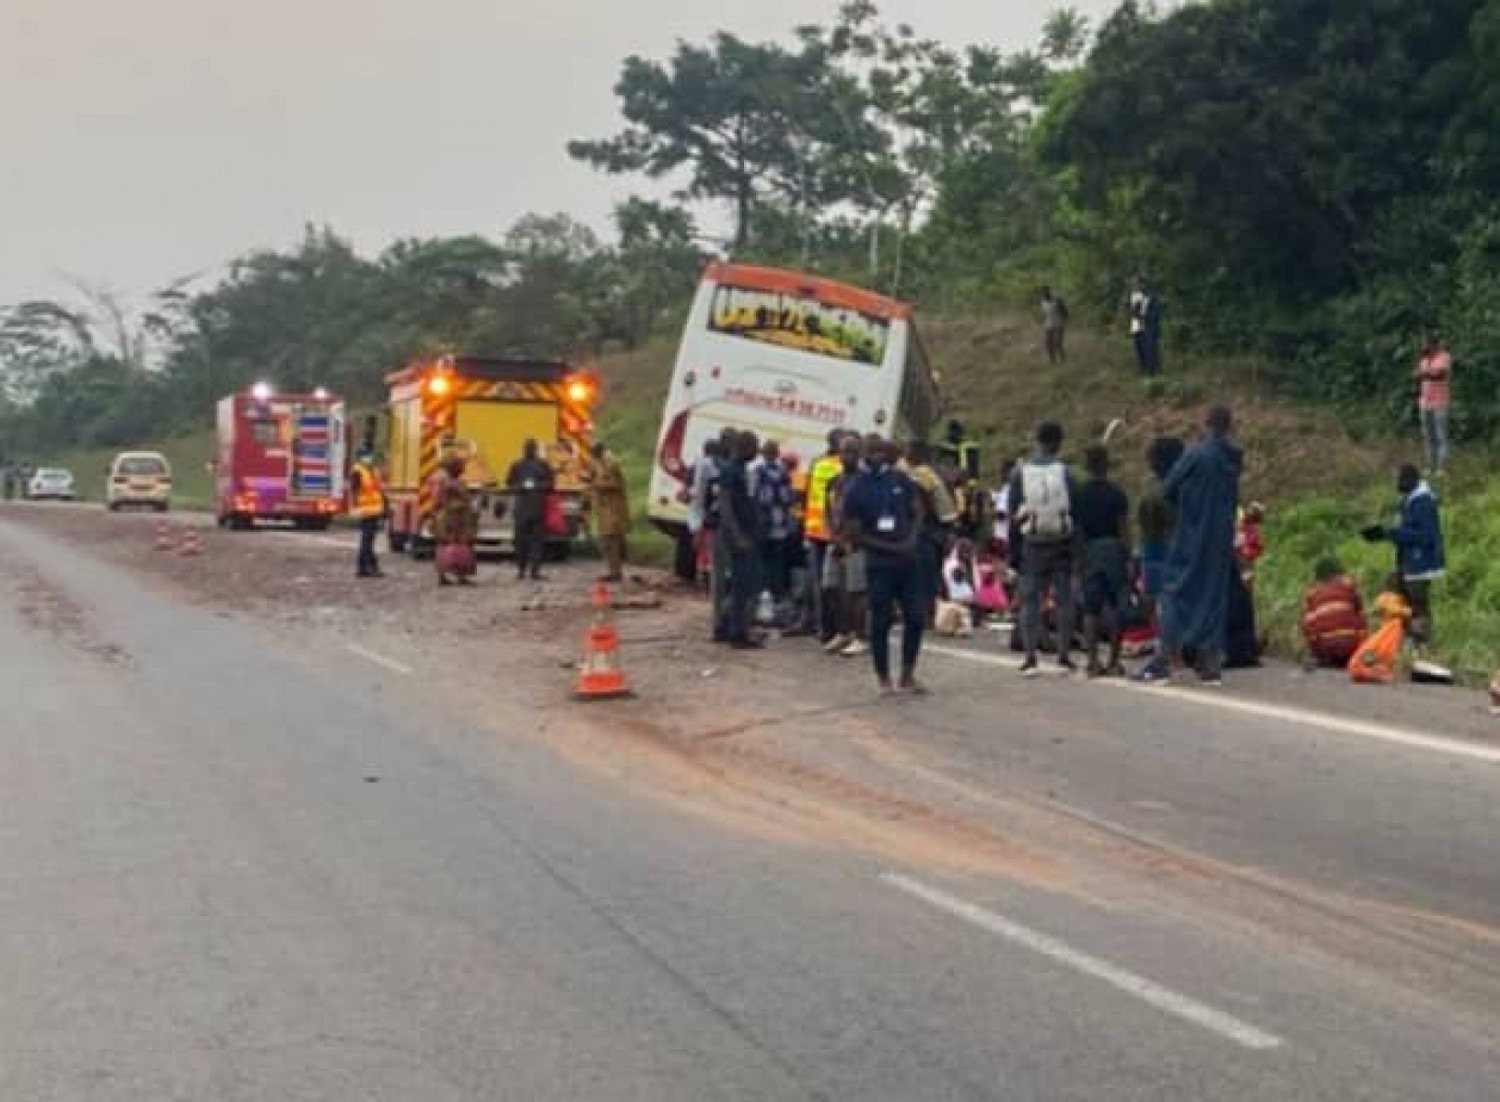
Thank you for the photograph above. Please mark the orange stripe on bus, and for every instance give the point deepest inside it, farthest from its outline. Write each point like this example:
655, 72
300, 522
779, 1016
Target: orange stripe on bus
828, 291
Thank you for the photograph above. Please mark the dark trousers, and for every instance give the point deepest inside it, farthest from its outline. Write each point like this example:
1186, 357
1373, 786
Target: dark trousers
824, 611
685, 558
1043, 567
1055, 352
775, 567
1148, 352
530, 544
1420, 594
367, 563
744, 587
891, 585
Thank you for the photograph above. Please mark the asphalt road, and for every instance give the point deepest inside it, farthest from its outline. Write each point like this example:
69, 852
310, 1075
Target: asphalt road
229, 873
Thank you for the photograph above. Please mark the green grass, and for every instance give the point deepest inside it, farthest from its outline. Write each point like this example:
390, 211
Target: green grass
192, 484
635, 387
1466, 603
1319, 483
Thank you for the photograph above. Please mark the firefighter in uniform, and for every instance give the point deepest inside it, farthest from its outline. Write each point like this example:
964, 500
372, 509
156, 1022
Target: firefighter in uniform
368, 505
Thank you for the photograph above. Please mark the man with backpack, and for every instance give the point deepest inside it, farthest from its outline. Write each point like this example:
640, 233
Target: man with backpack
1042, 493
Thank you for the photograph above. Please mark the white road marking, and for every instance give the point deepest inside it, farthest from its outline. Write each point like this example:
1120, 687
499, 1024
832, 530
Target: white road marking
1153, 994
379, 659
1400, 736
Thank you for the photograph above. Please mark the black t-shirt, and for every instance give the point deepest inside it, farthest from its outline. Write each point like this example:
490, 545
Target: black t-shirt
529, 480
734, 495
1099, 508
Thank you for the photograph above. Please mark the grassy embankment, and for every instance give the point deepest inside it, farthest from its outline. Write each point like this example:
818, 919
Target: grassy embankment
188, 453
1320, 484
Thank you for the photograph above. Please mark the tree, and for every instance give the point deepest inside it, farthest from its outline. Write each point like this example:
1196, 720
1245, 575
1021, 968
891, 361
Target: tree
726, 114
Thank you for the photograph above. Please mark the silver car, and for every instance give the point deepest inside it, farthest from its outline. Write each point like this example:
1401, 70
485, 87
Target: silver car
51, 484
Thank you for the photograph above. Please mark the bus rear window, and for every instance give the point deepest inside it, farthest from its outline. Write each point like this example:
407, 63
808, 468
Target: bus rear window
265, 433
801, 323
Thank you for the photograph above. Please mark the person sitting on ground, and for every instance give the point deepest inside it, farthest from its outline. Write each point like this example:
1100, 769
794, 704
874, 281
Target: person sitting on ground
990, 598
1376, 659
1103, 514
956, 609
1249, 545
1333, 617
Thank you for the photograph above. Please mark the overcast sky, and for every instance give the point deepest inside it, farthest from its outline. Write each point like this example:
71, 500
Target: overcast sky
143, 140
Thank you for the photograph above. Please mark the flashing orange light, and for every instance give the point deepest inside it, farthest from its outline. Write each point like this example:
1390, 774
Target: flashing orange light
439, 385
580, 391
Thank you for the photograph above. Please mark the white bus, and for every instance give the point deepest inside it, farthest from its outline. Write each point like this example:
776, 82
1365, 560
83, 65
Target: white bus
788, 357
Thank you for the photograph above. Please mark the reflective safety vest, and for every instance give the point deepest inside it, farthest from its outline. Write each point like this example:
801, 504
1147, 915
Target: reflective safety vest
369, 499
815, 522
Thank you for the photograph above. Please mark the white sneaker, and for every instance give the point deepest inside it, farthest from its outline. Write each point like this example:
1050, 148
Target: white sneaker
837, 644
854, 649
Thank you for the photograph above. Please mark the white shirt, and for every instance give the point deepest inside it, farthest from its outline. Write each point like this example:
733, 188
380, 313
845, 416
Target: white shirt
1138, 302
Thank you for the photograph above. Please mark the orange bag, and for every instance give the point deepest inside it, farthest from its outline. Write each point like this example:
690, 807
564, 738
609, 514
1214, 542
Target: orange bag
1375, 661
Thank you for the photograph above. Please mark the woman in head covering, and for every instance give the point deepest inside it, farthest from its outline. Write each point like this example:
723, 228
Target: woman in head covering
455, 525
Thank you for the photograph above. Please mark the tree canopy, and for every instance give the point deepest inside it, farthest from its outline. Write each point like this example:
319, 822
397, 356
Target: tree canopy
1311, 181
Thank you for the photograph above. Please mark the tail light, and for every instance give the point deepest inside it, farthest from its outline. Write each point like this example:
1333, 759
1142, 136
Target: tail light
669, 454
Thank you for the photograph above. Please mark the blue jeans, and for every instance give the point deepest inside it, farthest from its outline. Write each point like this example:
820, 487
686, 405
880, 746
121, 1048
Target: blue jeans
889, 585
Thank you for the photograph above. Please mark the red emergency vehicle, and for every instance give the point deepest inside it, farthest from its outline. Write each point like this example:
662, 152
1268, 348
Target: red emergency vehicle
281, 458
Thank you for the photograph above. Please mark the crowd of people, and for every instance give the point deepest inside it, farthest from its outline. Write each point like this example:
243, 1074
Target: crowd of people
869, 535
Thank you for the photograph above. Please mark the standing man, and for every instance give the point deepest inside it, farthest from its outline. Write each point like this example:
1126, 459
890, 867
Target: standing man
1435, 374
368, 505
1420, 555
611, 511
1204, 488
1054, 325
881, 516
773, 498
529, 483
819, 535
939, 515
844, 579
703, 523
740, 542
1103, 513
1145, 328
1042, 493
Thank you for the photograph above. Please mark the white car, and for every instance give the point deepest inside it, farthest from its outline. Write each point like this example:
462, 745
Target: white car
139, 480
51, 484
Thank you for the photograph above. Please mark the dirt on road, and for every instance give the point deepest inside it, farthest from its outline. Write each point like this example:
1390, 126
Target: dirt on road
783, 744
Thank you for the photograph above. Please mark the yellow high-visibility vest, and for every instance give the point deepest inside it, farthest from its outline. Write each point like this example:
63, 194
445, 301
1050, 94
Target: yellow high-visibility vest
824, 470
369, 500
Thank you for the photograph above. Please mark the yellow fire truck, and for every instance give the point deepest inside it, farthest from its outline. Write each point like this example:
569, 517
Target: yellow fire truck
484, 410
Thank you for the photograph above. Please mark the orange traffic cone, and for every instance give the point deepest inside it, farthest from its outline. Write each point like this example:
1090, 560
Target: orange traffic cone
164, 541
601, 677
192, 544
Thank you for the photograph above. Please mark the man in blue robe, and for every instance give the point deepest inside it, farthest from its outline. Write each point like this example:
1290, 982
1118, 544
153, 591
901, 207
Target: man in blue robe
1204, 487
